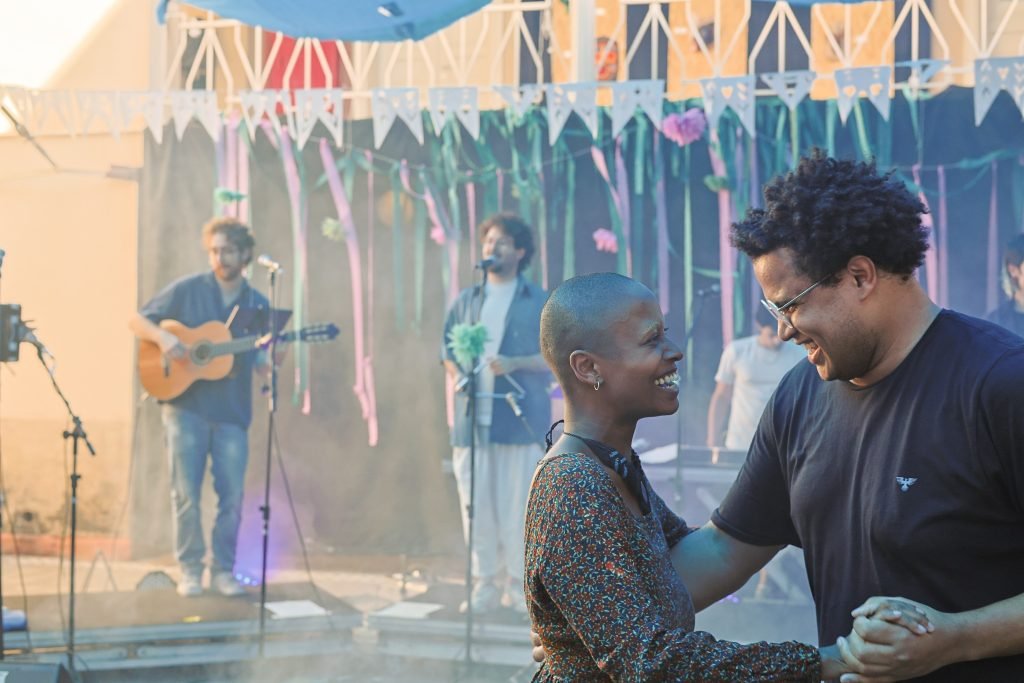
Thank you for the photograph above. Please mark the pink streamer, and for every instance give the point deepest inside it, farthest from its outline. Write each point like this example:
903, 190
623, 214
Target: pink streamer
363, 388
299, 241
602, 168
726, 254
501, 190
231, 181
931, 261
661, 218
991, 291
436, 213
474, 248
943, 234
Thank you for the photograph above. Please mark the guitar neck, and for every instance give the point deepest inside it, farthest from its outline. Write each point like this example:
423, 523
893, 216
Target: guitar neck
234, 346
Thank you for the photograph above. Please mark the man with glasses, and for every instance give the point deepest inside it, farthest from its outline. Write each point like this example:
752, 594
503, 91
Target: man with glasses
900, 474
211, 418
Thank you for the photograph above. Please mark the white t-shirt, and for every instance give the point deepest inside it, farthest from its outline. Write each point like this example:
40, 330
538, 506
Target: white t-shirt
753, 371
493, 312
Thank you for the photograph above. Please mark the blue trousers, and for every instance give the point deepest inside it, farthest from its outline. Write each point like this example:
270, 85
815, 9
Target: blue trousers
189, 439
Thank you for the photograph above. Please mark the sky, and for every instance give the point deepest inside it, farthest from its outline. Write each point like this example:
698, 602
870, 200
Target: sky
36, 36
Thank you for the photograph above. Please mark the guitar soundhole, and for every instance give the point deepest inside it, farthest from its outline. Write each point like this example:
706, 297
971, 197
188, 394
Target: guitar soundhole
201, 353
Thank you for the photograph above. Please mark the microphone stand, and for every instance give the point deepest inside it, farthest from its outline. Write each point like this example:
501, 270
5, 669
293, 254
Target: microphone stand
474, 312
698, 309
75, 435
272, 408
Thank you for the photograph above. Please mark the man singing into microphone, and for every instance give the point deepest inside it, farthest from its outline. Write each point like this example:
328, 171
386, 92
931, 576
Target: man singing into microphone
507, 446
211, 418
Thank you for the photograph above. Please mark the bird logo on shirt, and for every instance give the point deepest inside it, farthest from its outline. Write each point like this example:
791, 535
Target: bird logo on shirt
905, 482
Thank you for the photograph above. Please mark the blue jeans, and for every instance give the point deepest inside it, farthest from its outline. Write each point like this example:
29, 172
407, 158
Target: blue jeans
189, 438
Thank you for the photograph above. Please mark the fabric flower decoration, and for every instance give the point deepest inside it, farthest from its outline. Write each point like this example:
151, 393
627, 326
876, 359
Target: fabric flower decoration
683, 129
331, 229
466, 343
437, 234
605, 240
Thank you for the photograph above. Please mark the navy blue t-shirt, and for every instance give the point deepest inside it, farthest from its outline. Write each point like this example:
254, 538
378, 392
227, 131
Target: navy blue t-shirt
911, 487
194, 300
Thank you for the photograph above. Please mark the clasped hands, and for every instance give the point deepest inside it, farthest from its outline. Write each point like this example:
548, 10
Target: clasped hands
892, 639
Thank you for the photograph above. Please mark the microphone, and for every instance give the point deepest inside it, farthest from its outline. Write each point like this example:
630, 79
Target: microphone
486, 263
710, 291
268, 263
29, 336
510, 398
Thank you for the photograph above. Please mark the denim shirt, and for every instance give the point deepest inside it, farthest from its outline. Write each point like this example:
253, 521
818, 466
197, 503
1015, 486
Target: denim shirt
521, 338
194, 300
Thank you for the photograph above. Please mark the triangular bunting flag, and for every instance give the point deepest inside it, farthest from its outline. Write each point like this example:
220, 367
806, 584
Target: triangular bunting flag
733, 92
101, 105
403, 103
21, 101
151, 104
520, 98
55, 101
461, 103
790, 86
183, 107
565, 98
317, 104
628, 96
255, 105
865, 81
208, 113
993, 75
921, 73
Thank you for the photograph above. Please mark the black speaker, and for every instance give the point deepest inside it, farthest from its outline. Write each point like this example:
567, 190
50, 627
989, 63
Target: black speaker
11, 672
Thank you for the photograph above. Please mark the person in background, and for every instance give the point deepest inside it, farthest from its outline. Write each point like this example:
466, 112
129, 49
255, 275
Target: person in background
748, 372
1010, 313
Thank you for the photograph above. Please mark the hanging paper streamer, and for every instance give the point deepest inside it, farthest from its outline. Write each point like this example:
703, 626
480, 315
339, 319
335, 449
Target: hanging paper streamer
734, 92
726, 254
661, 222
931, 261
625, 261
943, 226
871, 82
992, 255
460, 103
566, 98
440, 220
628, 96
300, 277
313, 105
344, 229
993, 75
389, 103
519, 98
257, 104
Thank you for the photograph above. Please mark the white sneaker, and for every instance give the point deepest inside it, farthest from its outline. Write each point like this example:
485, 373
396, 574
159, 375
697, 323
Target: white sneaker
484, 598
225, 584
190, 586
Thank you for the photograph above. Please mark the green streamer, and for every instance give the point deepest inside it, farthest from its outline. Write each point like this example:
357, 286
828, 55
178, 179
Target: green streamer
420, 246
831, 113
688, 255
397, 258
569, 253
862, 135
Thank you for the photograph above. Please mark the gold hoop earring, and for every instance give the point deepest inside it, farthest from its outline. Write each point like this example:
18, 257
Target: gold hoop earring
597, 384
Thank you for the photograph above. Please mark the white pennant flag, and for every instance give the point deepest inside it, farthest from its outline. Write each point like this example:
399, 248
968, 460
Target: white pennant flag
462, 103
732, 92
566, 98
921, 73
313, 105
98, 105
151, 105
208, 113
255, 105
182, 110
865, 81
519, 98
52, 101
21, 101
628, 96
993, 75
389, 103
792, 87
199, 104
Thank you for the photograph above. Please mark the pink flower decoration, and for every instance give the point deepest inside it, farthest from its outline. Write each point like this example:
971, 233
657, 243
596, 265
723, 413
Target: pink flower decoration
605, 240
683, 129
437, 234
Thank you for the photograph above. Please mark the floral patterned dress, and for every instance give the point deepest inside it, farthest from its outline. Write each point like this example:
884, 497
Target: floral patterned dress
606, 601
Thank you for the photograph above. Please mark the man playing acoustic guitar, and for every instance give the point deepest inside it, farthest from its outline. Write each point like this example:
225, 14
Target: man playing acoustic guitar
210, 418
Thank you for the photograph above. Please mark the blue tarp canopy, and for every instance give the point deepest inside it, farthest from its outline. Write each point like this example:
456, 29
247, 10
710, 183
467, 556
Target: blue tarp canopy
363, 20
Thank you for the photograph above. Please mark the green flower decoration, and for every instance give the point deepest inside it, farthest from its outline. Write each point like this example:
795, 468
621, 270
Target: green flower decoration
224, 195
466, 343
332, 230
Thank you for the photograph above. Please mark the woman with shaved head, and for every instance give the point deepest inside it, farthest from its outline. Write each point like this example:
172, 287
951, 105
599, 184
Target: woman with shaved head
602, 592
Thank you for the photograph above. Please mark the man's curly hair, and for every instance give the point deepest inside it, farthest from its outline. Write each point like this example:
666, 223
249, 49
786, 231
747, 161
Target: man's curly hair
828, 211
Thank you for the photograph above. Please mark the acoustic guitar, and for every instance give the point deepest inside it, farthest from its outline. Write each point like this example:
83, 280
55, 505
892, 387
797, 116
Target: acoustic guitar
210, 354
